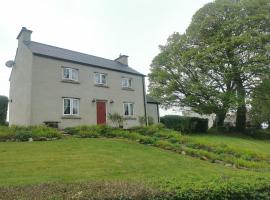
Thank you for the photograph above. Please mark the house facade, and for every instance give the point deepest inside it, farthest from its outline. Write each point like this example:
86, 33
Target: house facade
55, 85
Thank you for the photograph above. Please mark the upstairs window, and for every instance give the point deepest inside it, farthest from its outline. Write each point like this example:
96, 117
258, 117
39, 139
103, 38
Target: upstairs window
70, 106
100, 79
126, 82
70, 74
128, 109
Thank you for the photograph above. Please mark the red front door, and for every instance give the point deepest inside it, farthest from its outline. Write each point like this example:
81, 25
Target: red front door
101, 112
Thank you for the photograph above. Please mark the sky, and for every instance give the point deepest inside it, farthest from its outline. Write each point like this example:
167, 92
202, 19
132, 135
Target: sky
103, 28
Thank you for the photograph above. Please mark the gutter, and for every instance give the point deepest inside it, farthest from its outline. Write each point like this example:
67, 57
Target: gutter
144, 100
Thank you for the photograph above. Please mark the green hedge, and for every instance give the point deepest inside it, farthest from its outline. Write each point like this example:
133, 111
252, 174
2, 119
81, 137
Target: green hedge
3, 109
185, 124
233, 189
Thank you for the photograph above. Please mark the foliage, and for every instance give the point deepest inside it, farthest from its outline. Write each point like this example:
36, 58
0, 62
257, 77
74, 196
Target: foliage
216, 64
116, 119
3, 109
185, 124
24, 133
142, 120
260, 105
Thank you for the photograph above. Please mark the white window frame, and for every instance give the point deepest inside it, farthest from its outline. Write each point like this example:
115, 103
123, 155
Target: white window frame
99, 82
129, 109
73, 74
71, 106
128, 81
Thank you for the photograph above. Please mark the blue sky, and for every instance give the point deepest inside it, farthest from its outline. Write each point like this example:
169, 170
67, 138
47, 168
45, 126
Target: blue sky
103, 28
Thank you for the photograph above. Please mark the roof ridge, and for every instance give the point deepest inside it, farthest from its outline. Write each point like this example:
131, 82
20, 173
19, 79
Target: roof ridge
77, 52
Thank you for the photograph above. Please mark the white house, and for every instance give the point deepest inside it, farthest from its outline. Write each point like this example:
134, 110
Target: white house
53, 85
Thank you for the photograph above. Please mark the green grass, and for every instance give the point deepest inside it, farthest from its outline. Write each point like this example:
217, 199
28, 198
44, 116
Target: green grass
76, 159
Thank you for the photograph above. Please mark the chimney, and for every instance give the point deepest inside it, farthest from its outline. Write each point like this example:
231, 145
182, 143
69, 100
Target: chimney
123, 59
24, 35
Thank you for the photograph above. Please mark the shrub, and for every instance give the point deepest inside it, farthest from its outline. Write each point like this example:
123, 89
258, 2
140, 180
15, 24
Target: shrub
23, 133
116, 119
3, 109
185, 124
142, 120
90, 131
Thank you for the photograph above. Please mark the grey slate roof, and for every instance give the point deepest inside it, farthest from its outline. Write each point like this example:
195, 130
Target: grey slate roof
151, 100
77, 57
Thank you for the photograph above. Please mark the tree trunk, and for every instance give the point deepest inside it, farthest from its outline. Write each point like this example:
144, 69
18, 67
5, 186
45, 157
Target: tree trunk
220, 117
241, 109
241, 118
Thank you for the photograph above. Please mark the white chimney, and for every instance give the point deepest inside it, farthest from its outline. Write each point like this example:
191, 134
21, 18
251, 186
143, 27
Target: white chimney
123, 59
24, 35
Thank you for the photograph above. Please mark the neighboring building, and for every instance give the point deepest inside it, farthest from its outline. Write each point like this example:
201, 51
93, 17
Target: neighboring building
59, 86
152, 109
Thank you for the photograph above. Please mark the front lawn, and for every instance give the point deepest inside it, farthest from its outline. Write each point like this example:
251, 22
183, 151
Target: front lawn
101, 159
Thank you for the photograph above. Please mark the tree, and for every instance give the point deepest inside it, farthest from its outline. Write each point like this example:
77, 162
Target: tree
215, 66
3, 109
260, 110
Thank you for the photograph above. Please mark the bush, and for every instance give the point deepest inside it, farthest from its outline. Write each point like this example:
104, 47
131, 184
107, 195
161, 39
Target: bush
23, 133
142, 120
117, 119
185, 124
90, 131
258, 133
3, 109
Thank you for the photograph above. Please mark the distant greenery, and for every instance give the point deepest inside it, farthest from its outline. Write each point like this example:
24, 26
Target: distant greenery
158, 136
3, 109
24, 133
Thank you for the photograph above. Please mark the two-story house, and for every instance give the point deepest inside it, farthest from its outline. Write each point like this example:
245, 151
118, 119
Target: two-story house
55, 85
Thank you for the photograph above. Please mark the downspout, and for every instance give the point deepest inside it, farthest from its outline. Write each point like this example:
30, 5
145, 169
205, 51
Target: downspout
144, 100
158, 113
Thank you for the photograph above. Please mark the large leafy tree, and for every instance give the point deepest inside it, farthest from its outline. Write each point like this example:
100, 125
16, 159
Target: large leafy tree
217, 64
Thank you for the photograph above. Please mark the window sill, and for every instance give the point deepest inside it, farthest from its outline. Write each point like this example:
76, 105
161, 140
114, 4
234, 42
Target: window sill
70, 117
127, 88
101, 85
129, 118
70, 81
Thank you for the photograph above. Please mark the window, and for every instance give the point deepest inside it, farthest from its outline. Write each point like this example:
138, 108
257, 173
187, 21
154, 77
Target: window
128, 109
71, 106
126, 82
70, 74
100, 79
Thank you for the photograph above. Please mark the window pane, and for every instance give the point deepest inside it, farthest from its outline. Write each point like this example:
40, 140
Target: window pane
75, 109
67, 106
97, 78
74, 74
129, 83
103, 78
66, 73
131, 109
124, 82
126, 109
